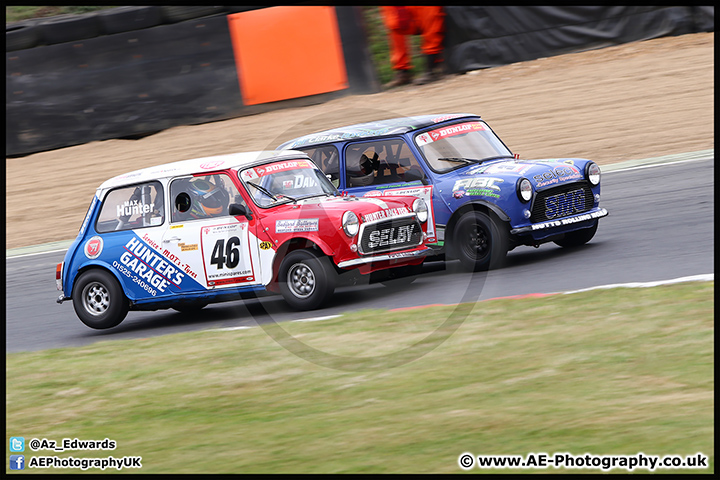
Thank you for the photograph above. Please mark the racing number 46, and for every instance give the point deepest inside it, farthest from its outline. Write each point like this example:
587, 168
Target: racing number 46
226, 255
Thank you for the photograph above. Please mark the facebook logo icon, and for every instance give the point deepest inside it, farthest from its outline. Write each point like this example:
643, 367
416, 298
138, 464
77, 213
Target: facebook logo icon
17, 444
17, 462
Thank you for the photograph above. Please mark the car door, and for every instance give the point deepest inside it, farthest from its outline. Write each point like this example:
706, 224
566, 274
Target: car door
203, 240
387, 167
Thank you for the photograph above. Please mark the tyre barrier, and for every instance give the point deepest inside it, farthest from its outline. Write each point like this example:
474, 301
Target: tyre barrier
174, 14
71, 28
68, 28
21, 35
127, 19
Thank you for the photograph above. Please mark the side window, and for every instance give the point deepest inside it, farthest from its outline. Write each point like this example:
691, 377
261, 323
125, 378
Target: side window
381, 162
327, 158
202, 197
137, 206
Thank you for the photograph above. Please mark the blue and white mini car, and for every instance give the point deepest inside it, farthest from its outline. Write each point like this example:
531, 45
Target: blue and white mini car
485, 200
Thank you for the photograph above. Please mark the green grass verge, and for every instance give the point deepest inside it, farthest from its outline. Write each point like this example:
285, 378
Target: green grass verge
604, 372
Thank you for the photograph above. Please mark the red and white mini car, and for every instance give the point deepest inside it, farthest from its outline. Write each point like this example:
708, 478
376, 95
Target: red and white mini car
190, 233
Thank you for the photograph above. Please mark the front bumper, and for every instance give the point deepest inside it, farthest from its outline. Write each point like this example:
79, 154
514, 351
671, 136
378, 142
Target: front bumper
388, 256
551, 224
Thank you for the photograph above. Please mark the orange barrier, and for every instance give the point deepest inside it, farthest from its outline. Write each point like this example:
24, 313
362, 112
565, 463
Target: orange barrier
287, 52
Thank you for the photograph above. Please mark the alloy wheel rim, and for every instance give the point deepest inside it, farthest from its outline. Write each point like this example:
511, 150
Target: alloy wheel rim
96, 298
478, 242
301, 280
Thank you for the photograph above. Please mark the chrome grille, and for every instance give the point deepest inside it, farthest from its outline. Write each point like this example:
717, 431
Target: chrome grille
562, 201
396, 233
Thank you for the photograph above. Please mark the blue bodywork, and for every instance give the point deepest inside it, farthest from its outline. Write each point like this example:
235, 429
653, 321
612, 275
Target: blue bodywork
161, 286
563, 199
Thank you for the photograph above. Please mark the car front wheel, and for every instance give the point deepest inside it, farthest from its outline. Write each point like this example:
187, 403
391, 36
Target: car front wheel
98, 300
306, 280
479, 242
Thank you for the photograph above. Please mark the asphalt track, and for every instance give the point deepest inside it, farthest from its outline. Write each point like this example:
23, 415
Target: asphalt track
660, 228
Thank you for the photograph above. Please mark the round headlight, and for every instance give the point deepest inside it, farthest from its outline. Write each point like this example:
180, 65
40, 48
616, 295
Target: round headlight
350, 223
592, 172
420, 208
524, 190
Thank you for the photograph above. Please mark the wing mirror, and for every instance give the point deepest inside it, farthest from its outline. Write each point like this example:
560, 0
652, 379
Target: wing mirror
237, 209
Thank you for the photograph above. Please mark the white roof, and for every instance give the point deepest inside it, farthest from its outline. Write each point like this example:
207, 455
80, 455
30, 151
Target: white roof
198, 165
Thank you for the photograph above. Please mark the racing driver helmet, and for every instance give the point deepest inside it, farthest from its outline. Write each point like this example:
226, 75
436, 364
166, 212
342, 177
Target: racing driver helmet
363, 173
208, 199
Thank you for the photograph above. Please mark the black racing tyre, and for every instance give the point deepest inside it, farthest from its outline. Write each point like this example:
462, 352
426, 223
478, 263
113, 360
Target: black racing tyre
578, 237
127, 19
479, 242
21, 35
306, 280
98, 299
68, 28
190, 308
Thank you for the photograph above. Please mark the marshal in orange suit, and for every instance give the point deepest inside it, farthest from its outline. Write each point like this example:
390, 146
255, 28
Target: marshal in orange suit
427, 21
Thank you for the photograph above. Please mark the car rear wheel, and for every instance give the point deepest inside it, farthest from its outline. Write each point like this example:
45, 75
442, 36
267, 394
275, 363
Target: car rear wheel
479, 242
578, 237
306, 280
98, 300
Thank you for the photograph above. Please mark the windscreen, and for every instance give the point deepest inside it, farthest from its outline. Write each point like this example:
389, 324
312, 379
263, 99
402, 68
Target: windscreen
451, 147
284, 181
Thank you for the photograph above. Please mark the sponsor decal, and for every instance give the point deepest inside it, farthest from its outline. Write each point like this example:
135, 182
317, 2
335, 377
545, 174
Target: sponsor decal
265, 245
390, 212
334, 137
302, 181
184, 247
391, 236
401, 254
482, 192
130, 175
518, 168
485, 185
168, 255
445, 132
569, 221
94, 247
459, 193
134, 207
424, 192
297, 225
555, 160
557, 174
249, 174
565, 204
226, 255
147, 268
256, 172
211, 165
445, 117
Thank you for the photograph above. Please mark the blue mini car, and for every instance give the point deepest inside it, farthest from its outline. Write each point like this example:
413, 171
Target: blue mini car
484, 200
